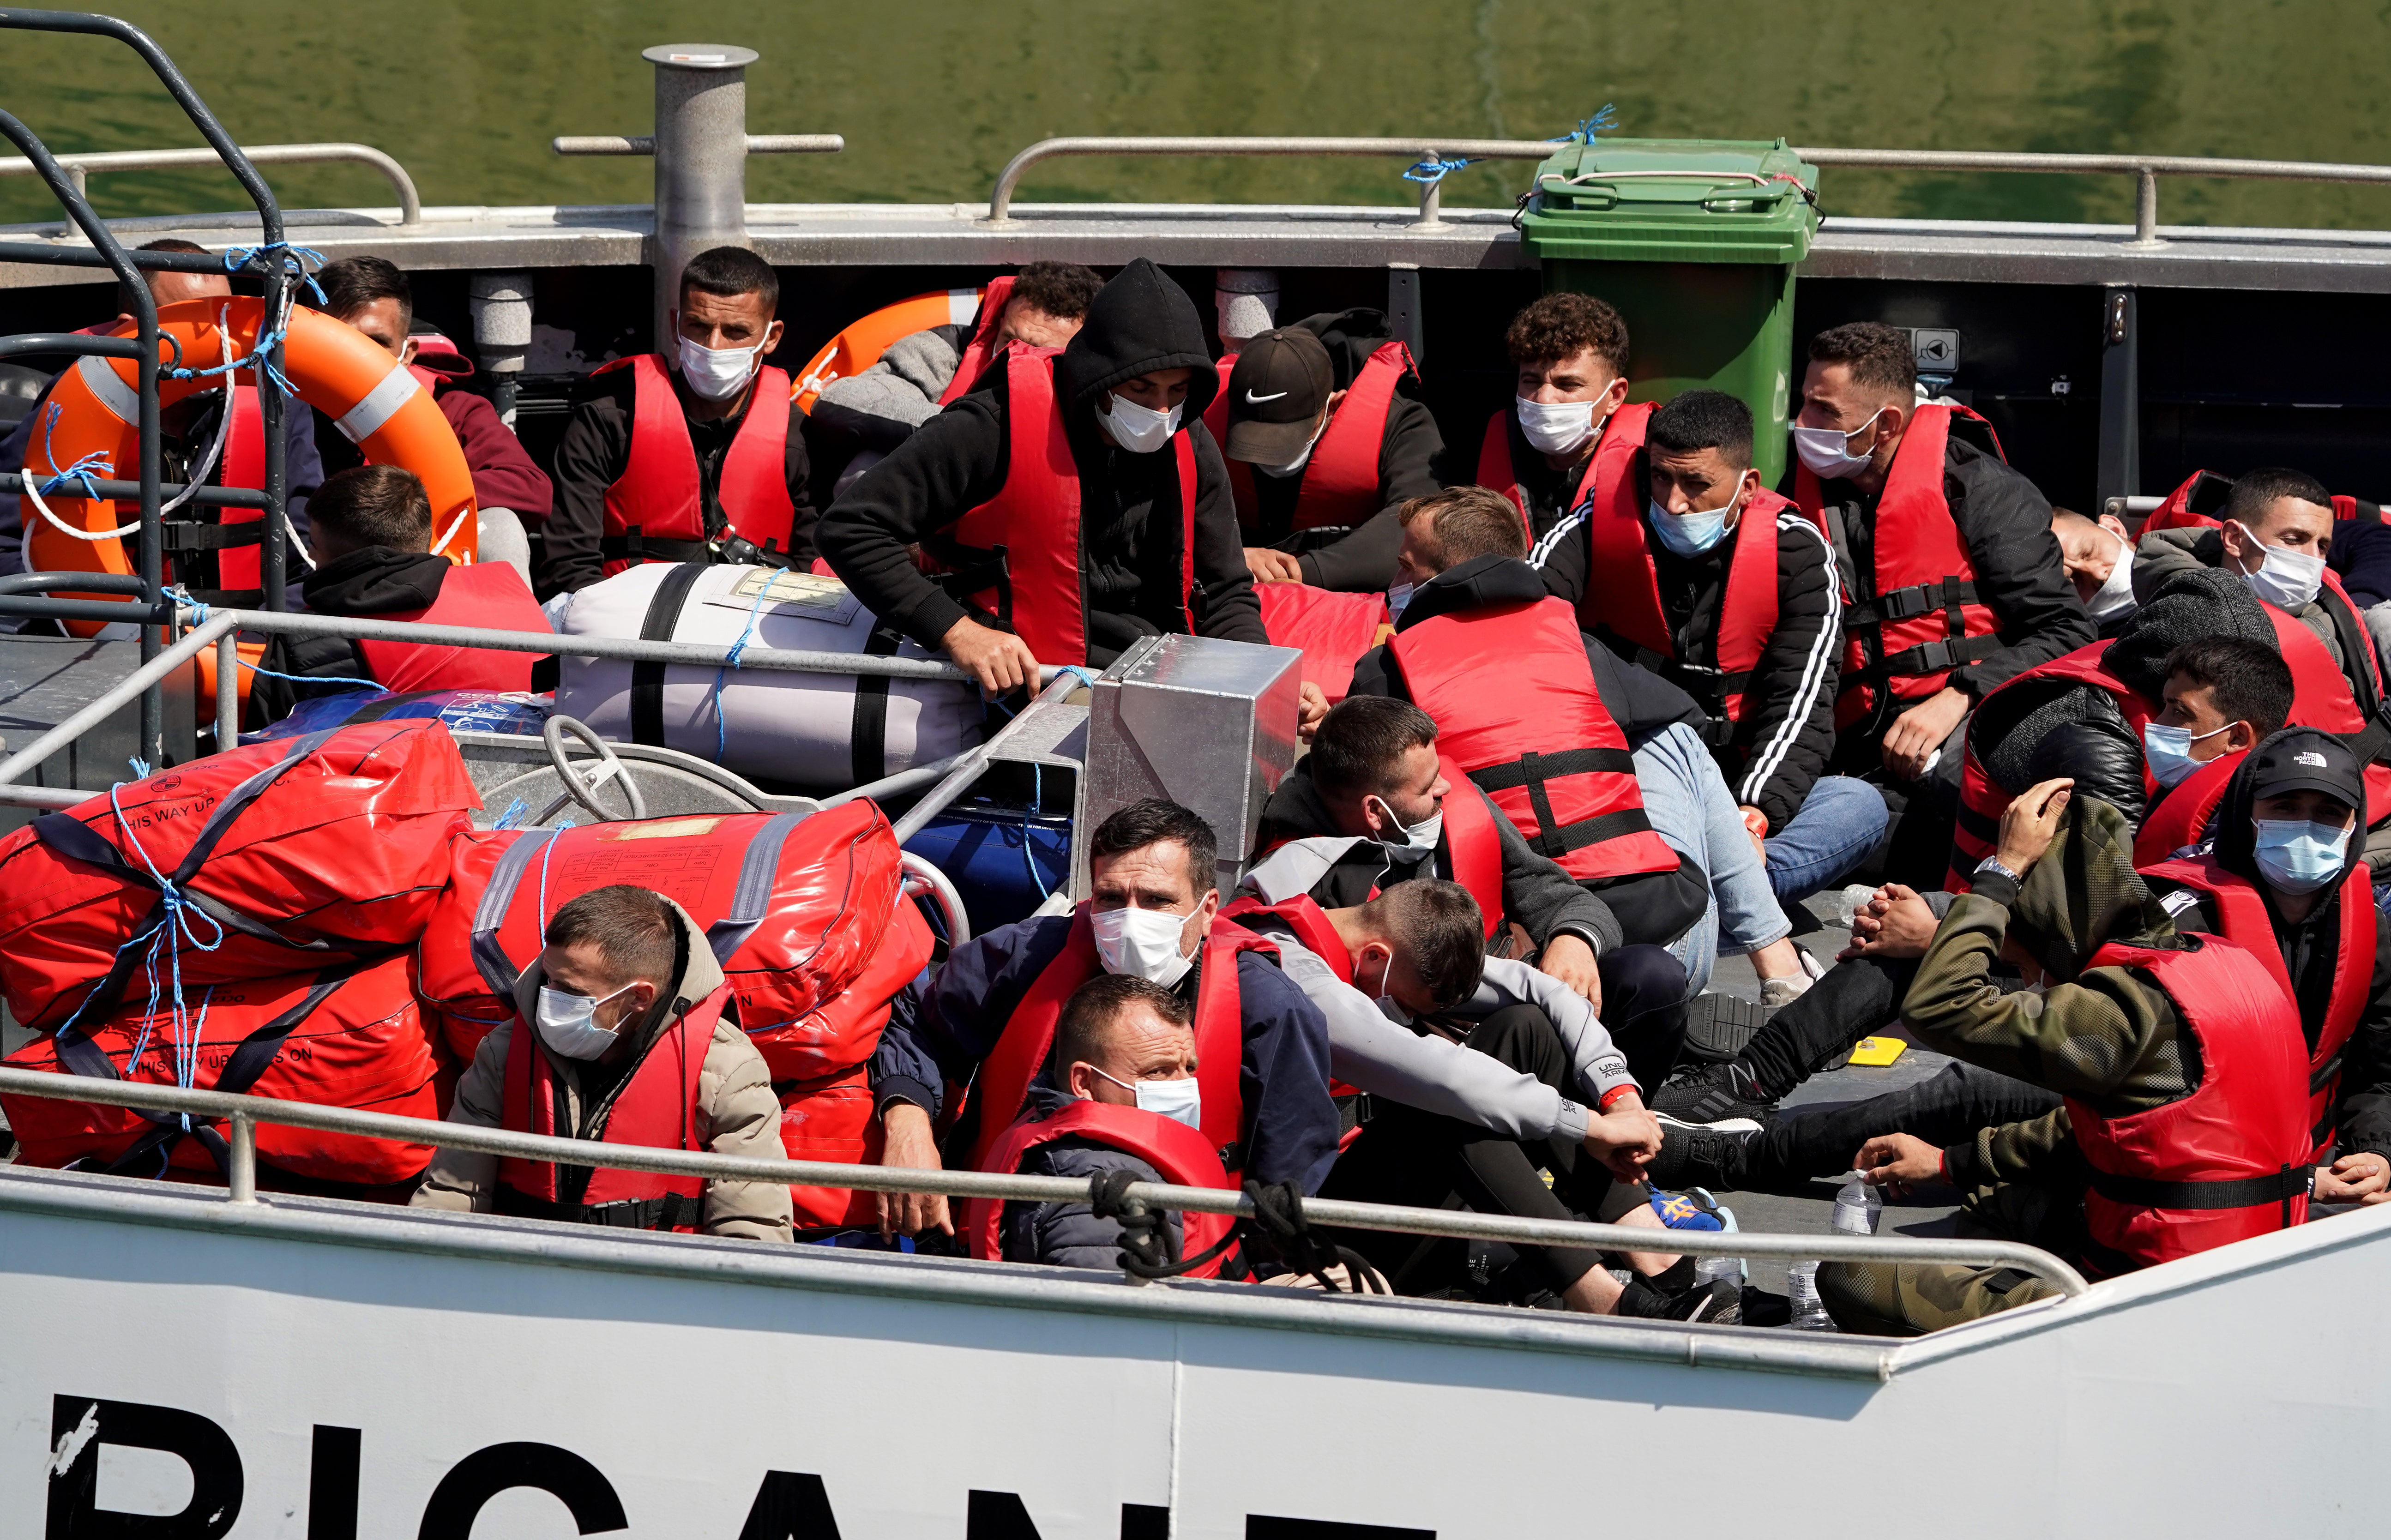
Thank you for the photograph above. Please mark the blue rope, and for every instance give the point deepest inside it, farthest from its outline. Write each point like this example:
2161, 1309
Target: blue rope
182, 595
515, 810
261, 356
96, 463
1431, 170
731, 660
294, 262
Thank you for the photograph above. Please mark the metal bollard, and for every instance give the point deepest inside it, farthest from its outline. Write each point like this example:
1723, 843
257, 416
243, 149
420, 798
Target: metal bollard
1246, 301
501, 306
701, 142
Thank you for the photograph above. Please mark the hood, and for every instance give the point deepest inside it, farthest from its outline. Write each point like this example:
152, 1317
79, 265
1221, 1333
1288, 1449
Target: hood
1139, 322
2184, 604
1350, 336
2085, 893
1295, 810
375, 580
1474, 585
697, 975
2162, 551
2236, 841
434, 354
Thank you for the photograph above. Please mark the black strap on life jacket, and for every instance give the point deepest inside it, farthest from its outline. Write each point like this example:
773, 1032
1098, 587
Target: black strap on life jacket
669, 1211
2245, 1192
1866, 621
1534, 771
648, 678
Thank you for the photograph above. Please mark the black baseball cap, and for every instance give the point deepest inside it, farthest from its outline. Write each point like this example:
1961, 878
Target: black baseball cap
1276, 392
2313, 760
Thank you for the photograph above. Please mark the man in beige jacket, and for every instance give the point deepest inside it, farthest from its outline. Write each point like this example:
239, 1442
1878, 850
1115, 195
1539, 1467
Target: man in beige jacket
608, 1060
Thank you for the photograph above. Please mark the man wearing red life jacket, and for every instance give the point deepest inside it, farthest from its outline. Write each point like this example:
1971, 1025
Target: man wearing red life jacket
2273, 533
1326, 438
621, 1034
1952, 582
1552, 450
1728, 591
2283, 883
2170, 1162
1072, 500
1628, 802
1119, 1093
371, 294
373, 538
695, 455
987, 1020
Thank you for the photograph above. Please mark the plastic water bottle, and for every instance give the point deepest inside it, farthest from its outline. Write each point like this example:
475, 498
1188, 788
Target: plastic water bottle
1801, 1293
1857, 1209
1710, 1268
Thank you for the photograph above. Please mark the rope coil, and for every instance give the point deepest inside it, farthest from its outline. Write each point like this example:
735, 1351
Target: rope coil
1279, 1222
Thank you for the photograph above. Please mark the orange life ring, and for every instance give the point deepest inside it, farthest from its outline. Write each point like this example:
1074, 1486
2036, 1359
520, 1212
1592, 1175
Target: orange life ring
859, 346
95, 412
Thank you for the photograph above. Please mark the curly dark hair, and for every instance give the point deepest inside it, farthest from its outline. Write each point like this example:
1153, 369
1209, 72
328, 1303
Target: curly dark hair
1063, 290
1561, 326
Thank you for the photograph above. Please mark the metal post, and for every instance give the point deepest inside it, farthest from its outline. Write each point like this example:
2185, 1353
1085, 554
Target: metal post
1431, 214
2146, 207
1244, 301
227, 692
1404, 314
242, 1176
2120, 465
701, 161
501, 305
274, 563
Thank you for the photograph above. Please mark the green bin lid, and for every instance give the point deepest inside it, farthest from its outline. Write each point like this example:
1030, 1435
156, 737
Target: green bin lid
1672, 200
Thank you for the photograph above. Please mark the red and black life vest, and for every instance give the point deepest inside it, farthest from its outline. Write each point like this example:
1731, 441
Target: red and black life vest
1921, 618
1020, 1052
974, 360
656, 1108
2227, 1162
1517, 708
1180, 1154
1339, 488
1622, 589
652, 511
2194, 505
1613, 456
1982, 800
2181, 816
491, 596
1473, 846
2242, 912
1021, 556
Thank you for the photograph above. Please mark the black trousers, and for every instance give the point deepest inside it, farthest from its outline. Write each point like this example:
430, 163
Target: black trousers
1809, 1144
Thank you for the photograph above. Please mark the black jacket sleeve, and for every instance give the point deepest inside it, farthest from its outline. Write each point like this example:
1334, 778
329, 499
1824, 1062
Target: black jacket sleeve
2006, 524
1789, 721
2359, 556
1365, 561
316, 658
1224, 603
950, 465
2365, 1118
1640, 701
589, 457
1070, 1234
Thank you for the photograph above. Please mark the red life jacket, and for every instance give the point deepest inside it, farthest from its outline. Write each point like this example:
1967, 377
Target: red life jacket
241, 568
2321, 692
1622, 587
1331, 629
2242, 914
656, 1108
1517, 708
1982, 800
2182, 815
831, 1119
1339, 488
1473, 846
2225, 1163
490, 595
1021, 1051
973, 362
350, 1037
1613, 456
1029, 539
652, 513
1921, 618
1180, 1154
2195, 504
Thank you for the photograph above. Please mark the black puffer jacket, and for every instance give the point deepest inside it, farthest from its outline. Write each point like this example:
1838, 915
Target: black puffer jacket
377, 581
1139, 322
1069, 1235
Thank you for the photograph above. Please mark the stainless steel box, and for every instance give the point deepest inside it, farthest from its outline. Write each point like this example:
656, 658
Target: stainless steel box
1208, 724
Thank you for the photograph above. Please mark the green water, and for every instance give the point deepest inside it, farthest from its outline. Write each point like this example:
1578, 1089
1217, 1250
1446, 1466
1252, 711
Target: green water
934, 96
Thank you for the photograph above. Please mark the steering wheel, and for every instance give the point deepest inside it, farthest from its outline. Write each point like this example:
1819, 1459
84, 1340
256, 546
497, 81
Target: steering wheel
582, 788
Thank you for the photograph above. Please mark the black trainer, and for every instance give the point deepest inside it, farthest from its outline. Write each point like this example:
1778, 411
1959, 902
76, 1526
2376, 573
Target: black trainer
1717, 1303
1713, 1094
1718, 1025
1701, 1156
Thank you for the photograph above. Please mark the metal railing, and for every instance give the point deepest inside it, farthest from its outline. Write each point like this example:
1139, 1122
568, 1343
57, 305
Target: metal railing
645, 144
78, 168
1425, 149
2146, 170
244, 1114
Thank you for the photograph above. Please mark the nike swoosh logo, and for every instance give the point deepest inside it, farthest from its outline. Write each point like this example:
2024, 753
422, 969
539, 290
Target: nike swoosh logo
1253, 400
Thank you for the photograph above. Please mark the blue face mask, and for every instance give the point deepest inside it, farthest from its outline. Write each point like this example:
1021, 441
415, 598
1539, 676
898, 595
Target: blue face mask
1690, 534
2167, 751
2296, 856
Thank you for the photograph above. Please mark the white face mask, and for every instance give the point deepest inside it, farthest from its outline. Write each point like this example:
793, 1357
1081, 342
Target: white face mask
1388, 1007
1827, 451
717, 373
1143, 942
1556, 427
1295, 466
2116, 595
1140, 429
2287, 579
566, 1024
1181, 1101
1424, 835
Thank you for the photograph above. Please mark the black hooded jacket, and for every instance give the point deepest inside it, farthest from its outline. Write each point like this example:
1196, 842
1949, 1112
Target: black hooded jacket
1140, 322
1655, 908
2309, 950
1361, 560
377, 581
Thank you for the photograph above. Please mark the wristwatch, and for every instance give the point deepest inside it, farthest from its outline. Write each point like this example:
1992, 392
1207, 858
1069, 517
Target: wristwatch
1995, 864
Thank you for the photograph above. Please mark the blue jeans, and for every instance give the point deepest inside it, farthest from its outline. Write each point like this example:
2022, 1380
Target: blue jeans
1836, 825
1691, 808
